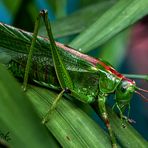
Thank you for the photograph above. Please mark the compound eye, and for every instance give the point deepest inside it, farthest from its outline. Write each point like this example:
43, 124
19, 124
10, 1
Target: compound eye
123, 89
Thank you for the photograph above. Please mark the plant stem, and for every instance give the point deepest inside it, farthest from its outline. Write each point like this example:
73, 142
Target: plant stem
136, 76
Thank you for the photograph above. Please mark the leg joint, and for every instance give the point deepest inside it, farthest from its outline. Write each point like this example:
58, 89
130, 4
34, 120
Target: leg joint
43, 12
67, 90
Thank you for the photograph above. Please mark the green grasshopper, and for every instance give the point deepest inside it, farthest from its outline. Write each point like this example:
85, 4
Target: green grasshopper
62, 68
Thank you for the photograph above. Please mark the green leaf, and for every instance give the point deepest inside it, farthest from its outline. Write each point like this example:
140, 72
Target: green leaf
69, 124
120, 16
144, 77
114, 50
18, 117
83, 3
76, 128
77, 21
127, 135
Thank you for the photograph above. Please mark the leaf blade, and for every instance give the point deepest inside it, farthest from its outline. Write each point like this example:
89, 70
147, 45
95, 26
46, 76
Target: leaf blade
117, 18
79, 131
18, 117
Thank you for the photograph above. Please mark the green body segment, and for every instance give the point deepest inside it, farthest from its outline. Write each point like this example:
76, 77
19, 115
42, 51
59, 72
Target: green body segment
18, 43
84, 74
61, 72
42, 72
87, 78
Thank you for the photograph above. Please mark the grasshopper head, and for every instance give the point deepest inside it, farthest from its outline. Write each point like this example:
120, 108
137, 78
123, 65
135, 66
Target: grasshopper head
124, 93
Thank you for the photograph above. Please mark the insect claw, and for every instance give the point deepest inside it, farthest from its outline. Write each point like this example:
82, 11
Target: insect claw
24, 88
44, 121
128, 119
123, 125
131, 121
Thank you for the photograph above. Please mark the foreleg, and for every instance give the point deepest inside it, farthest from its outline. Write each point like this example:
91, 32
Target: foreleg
104, 115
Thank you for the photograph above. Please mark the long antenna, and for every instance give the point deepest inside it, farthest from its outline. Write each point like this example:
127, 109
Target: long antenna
141, 89
144, 98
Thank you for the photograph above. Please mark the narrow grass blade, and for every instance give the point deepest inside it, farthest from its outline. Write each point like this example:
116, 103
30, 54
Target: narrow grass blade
69, 124
78, 21
18, 119
120, 16
127, 135
114, 50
